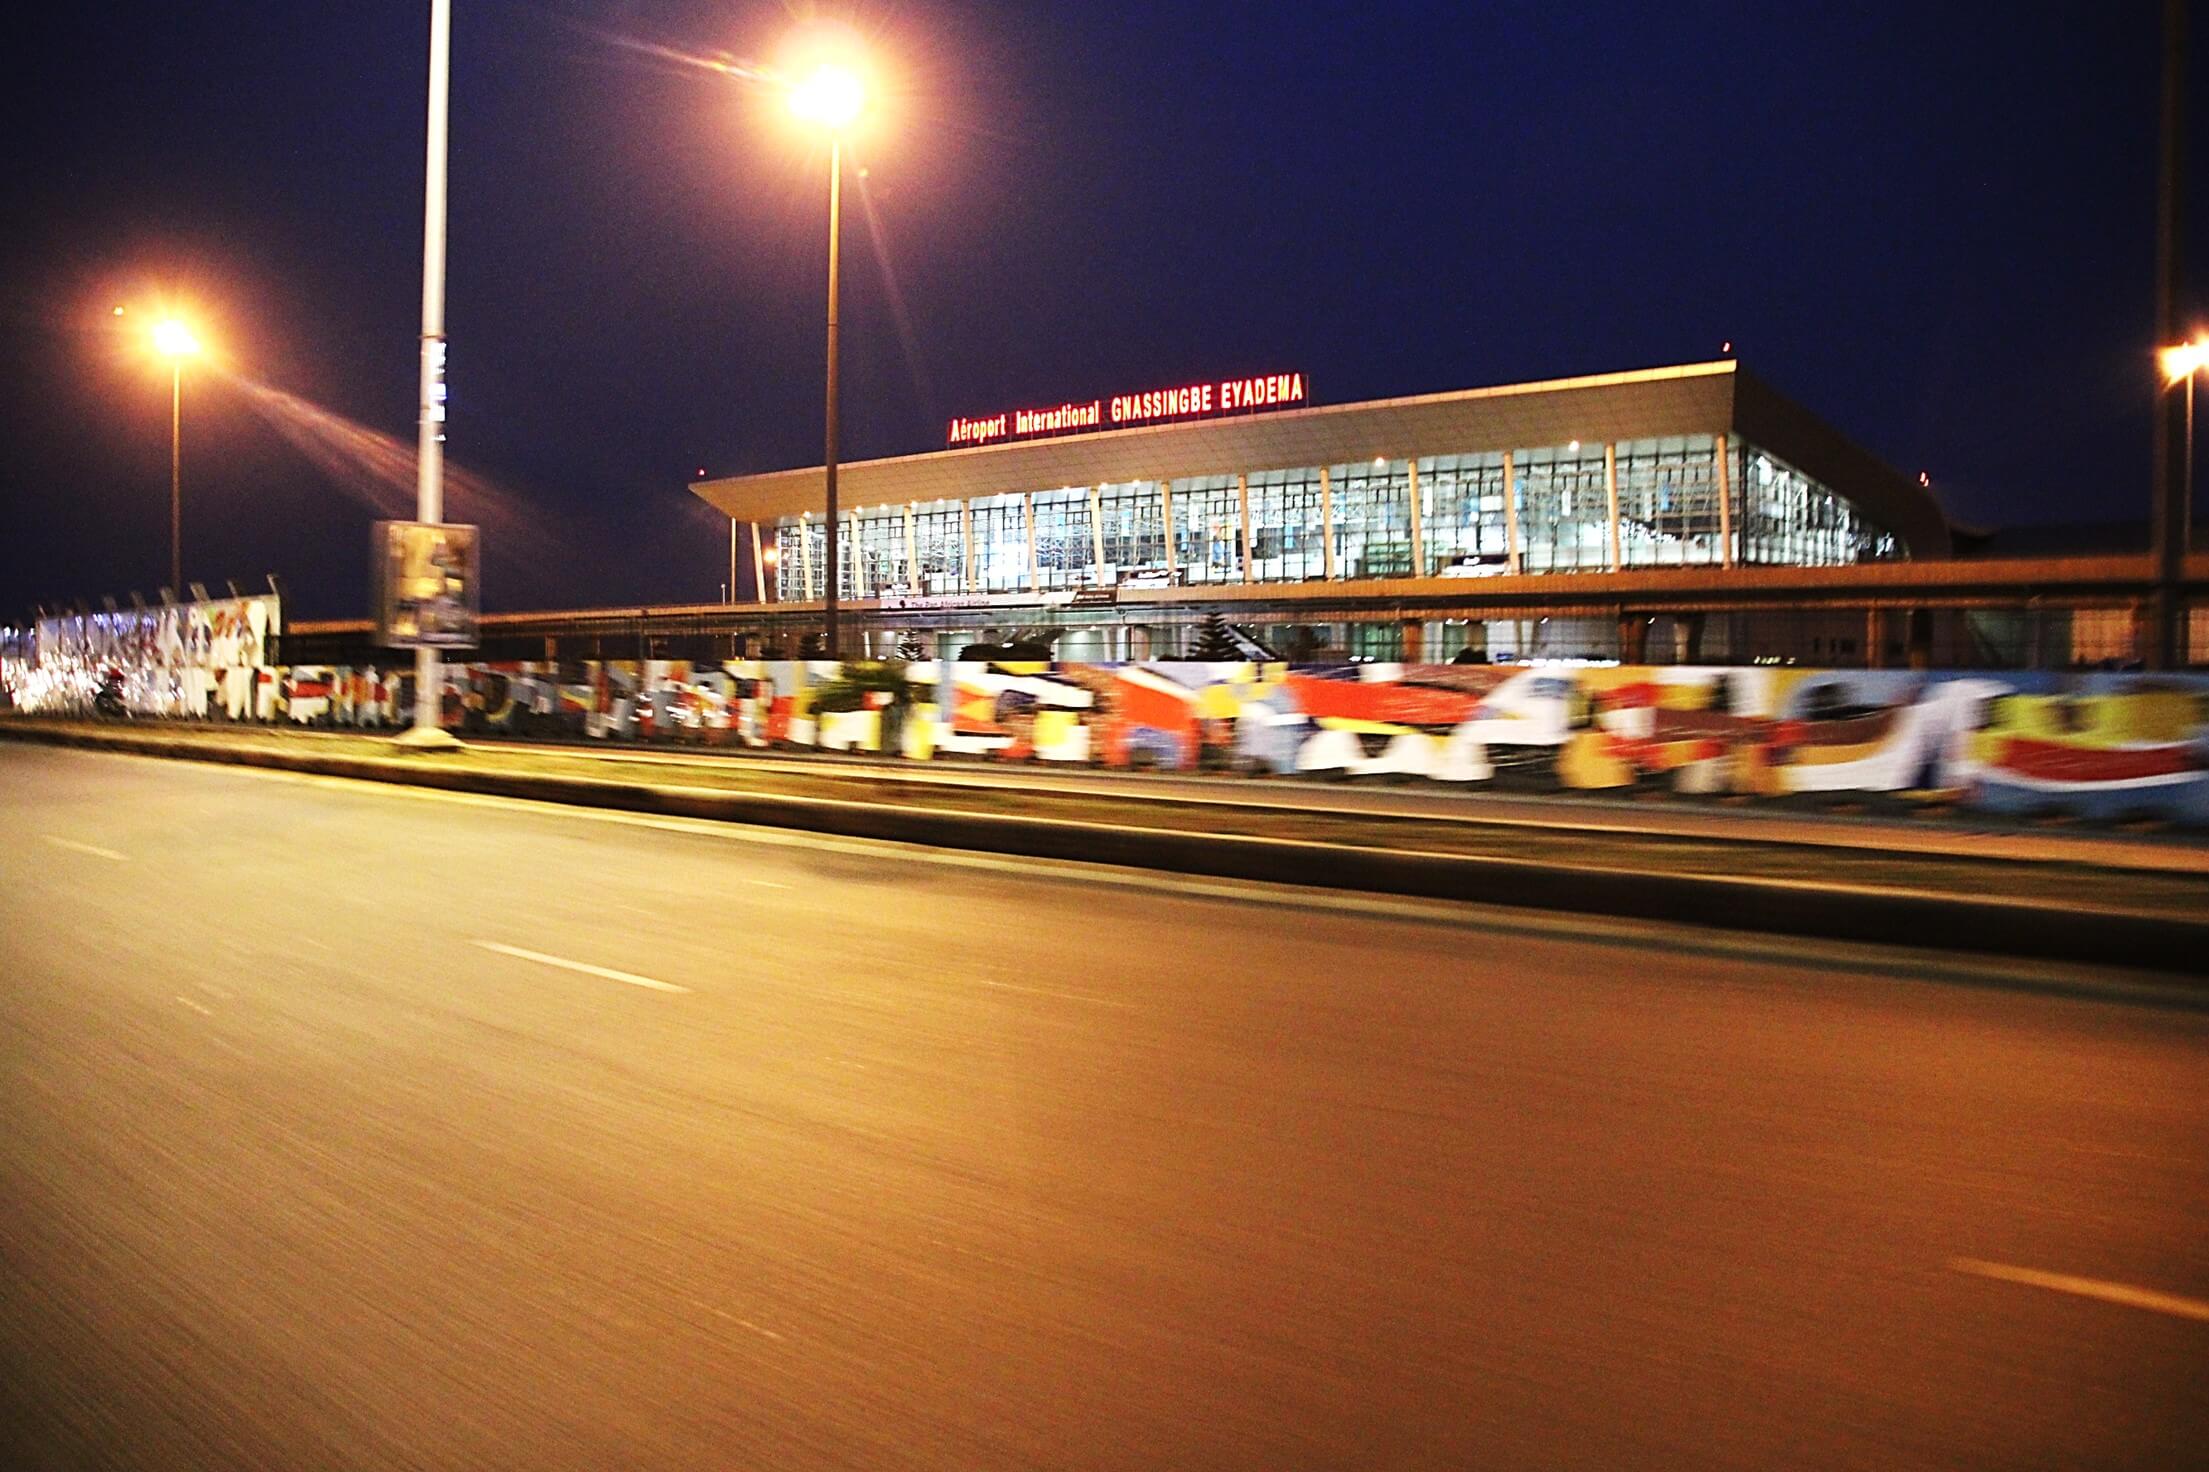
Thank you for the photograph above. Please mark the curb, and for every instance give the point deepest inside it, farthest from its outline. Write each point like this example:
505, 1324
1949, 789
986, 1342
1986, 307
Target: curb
2086, 933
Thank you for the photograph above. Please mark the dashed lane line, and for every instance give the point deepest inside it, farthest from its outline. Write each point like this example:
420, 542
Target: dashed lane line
85, 848
607, 972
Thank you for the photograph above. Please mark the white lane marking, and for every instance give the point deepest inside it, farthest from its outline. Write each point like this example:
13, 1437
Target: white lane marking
722, 1313
1842, 956
85, 848
1038, 991
196, 1007
583, 966
2124, 1293
766, 884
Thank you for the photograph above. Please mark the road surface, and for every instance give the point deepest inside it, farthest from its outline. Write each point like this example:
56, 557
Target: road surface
351, 1126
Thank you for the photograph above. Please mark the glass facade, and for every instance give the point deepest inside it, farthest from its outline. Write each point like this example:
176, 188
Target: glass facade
1544, 508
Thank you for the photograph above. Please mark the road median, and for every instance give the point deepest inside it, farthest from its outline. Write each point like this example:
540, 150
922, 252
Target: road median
2097, 917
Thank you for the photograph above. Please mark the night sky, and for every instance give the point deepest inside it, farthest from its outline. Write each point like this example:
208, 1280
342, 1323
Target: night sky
1931, 224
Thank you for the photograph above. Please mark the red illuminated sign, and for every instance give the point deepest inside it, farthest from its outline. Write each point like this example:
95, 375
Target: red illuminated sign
1191, 401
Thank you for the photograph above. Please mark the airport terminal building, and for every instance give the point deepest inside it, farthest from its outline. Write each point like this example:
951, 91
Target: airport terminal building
1397, 528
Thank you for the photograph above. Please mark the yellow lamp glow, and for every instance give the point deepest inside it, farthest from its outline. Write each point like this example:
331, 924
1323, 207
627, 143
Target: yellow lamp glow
2184, 360
831, 96
174, 340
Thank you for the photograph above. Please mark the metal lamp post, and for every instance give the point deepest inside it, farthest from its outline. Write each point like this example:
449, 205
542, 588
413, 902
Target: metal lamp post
833, 97
176, 342
429, 478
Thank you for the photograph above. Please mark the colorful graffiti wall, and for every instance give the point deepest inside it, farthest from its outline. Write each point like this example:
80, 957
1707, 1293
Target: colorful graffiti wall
2098, 746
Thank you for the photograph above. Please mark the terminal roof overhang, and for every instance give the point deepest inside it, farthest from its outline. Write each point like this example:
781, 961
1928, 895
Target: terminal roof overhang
1694, 398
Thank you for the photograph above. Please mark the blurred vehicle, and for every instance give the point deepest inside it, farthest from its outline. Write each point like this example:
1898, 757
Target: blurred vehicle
107, 701
1477, 565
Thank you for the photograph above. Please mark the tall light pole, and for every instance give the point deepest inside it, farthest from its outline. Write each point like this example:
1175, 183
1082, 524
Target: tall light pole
174, 341
429, 474
2166, 648
831, 96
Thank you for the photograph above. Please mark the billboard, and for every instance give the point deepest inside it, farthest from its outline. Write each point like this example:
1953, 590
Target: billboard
428, 584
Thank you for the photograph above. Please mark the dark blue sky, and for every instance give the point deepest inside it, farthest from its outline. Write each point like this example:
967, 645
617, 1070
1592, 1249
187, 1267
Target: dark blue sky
1932, 224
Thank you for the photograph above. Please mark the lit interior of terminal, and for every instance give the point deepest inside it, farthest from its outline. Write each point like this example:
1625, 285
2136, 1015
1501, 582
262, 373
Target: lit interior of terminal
1679, 501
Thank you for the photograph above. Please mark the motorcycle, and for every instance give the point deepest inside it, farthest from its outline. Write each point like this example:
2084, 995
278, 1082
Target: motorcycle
107, 701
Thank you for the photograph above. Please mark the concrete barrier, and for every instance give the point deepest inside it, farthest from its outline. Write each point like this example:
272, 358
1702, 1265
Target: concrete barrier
1889, 915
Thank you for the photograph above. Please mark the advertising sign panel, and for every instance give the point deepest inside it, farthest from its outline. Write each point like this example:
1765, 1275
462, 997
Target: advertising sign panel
428, 584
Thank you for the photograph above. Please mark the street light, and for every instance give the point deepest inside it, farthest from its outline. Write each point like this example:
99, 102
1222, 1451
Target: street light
831, 97
176, 342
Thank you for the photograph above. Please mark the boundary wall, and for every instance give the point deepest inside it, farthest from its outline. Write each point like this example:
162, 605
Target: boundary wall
2097, 747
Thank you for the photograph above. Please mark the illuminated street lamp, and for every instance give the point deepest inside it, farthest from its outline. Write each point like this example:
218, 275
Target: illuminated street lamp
176, 342
831, 97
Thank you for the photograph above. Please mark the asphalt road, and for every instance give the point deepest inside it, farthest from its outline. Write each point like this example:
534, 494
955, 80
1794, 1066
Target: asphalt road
320, 1151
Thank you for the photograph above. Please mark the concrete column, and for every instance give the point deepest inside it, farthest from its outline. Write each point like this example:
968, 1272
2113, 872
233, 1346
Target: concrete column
805, 554
1723, 469
759, 564
1242, 499
1610, 494
1035, 564
1633, 638
1096, 533
1415, 641
913, 578
1688, 639
1166, 513
1418, 523
1918, 638
1510, 515
968, 578
1327, 521
1875, 639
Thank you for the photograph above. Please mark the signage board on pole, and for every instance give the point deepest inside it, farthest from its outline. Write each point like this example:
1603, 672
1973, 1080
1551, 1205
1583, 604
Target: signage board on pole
429, 584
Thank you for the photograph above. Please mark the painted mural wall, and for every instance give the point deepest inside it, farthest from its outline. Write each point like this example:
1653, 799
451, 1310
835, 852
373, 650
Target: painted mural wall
2103, 747
186, 659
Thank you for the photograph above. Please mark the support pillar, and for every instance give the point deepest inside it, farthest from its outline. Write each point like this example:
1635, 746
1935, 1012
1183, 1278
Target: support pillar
1688, 638
1096, 534
1166, 512
1633, 638
1875, 639
969, 580
1418, 523
1242, 500
1917, 638
1723, 471
1035, 564
1327, 521
1510, 516
1415, 641
1610, 495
